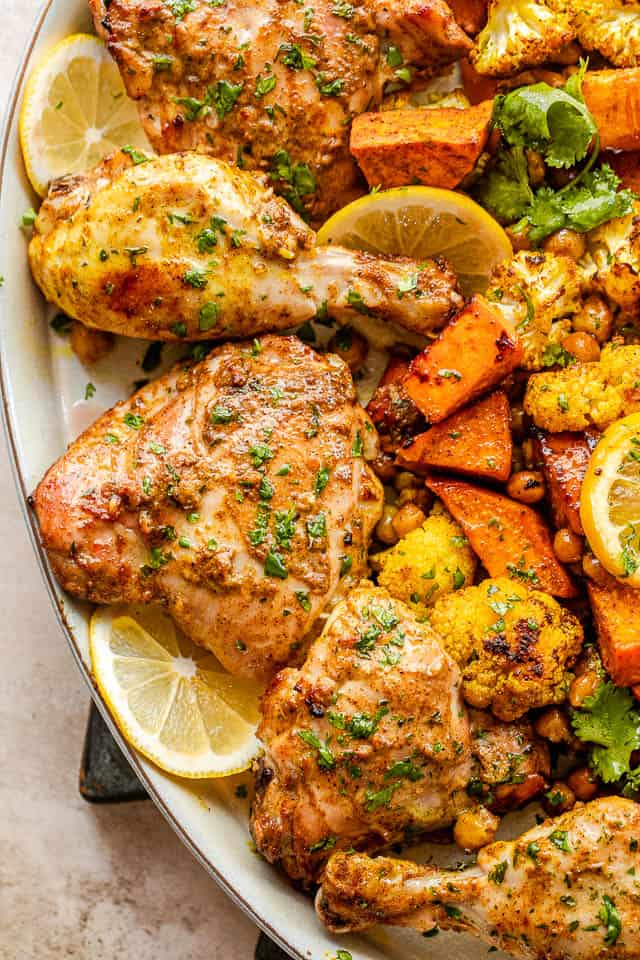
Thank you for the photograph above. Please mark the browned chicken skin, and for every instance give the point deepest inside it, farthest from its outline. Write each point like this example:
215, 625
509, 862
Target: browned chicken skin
273, 85
368, 742
235, 491
186, 247
565, 890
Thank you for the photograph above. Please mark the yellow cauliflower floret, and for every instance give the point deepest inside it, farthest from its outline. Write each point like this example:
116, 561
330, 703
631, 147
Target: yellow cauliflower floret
536, 290
432, 560
615, 249
513, 645
612, 27
519, 34
586, 394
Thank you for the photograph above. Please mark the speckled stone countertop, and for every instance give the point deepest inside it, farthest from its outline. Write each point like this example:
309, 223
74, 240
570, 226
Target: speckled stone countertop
89, 882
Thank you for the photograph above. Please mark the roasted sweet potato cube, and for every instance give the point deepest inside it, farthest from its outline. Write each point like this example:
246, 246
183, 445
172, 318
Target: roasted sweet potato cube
438, 147
510, 538
471, 15
474, 352
627, 166
616, 611
564, 458
476, 441
613, 97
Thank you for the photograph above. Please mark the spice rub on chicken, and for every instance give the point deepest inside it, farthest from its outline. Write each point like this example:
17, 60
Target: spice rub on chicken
235, 491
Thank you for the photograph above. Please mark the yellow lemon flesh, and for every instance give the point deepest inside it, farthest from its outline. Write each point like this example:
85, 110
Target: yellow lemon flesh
421, 222
172, 700
75, 111
610, 500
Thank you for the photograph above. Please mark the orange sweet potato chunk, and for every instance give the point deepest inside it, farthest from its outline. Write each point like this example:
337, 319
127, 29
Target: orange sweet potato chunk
613, 97
438, 147
616, 611
510, 538
474, 352
564, 457
475, 441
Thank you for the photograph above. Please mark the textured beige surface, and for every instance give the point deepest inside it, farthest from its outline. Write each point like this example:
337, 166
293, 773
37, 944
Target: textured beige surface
93, 883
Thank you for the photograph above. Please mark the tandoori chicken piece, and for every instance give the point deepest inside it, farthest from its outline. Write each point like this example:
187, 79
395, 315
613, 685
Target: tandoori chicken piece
188, 247
565, 890
273, 86
236, 491
366, 743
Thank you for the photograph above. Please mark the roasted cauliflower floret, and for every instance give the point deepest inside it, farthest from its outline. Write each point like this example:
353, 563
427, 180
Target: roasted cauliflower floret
514, 645
519, 34
612, 27
615, 251
431, 561
536, 290
586, 394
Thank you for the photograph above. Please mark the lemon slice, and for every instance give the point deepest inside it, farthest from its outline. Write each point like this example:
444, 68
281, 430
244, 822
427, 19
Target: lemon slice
421, 222
610, 500
75, 111
171, 699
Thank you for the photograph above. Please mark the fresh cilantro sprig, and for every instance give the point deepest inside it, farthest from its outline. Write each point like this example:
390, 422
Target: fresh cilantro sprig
610, 722
557, 123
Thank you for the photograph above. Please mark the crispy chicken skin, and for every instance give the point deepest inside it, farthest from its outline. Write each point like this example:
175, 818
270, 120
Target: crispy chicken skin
235, 491
188, 247
272, 86
565, 890
366, 743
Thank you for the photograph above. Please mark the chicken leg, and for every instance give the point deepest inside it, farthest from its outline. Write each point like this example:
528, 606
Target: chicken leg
568, 889
187, 247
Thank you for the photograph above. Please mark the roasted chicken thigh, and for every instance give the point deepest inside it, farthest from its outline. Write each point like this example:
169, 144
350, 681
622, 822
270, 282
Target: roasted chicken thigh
273, 85
366, 743
236, 491
188, 247
565, 890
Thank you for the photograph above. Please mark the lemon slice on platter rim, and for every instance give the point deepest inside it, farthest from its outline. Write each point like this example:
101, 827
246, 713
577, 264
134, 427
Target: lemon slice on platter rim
75, 111
171, 699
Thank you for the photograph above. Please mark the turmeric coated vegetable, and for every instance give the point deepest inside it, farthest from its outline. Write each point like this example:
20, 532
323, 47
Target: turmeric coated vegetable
433, 560
437, 147
514, 645
475, 441
586, 394
474, 352
510, 538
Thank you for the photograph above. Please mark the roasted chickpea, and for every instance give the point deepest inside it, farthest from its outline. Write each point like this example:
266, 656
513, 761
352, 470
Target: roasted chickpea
421, 498
351, 347
595, 318
527, 486
519, 241
553, 725
384, 528
584, 347
404, 480
384, 467
558, 799
583, 783
90, 345
583, 686
566, 243
593, 569
568, 546
475, 828
535, 167
408, 518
